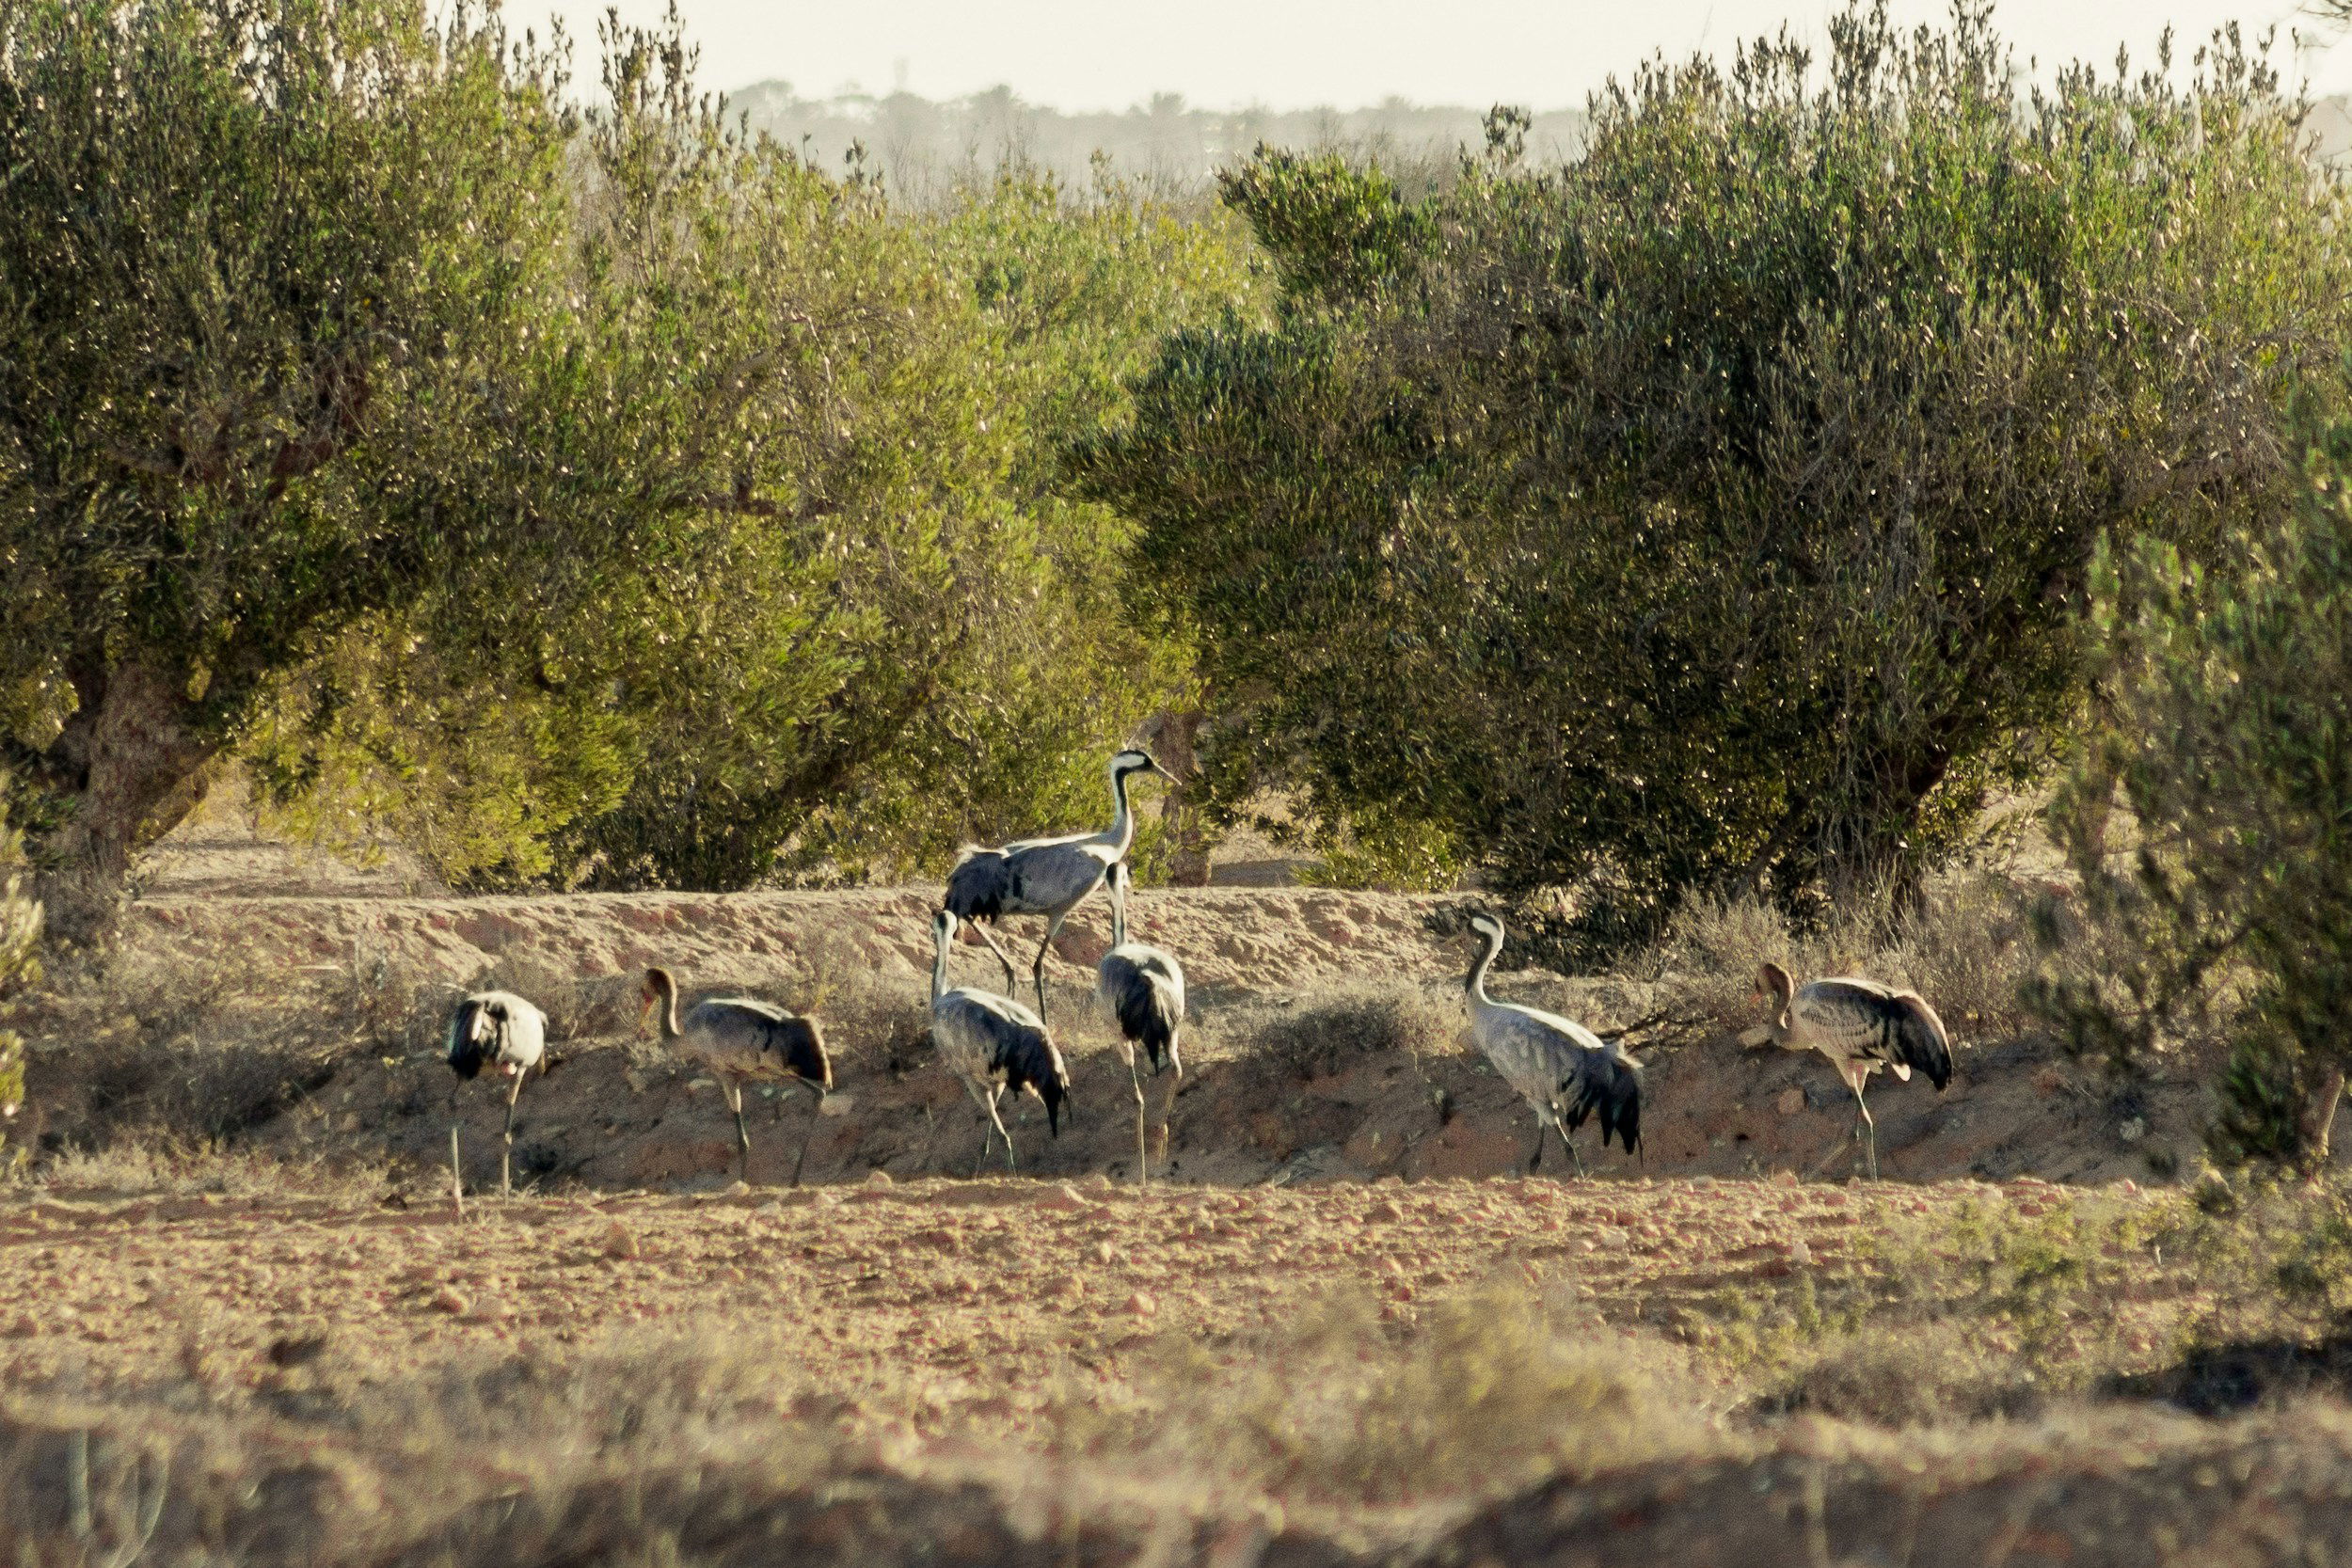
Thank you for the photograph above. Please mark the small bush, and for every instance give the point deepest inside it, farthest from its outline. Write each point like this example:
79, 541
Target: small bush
1330, 1031
1491, 1390
1969, 949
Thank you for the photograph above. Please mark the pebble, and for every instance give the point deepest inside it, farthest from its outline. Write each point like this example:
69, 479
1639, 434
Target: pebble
1141, 1305
449, 1301
877, 1179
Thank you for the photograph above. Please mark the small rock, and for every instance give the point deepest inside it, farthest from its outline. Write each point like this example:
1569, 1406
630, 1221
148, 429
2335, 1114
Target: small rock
1104, 1253
877, 1179
618, 1241
738, 1189
1100, 1181
2132, 1130
1062, 1198
1799, 1253
1788, 1101
1140, 1305
837, 1105
2129, 1187
449, 1301
1385, 1211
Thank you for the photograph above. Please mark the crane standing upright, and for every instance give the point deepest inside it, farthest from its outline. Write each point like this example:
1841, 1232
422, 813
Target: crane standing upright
493, 1028
1861, 1026
738, 1037
1560, 1067
1045, 876
1142, 988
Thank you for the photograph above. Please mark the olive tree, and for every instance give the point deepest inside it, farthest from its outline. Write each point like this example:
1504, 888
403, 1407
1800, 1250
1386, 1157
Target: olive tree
2211, 814
1715, 510
262, 263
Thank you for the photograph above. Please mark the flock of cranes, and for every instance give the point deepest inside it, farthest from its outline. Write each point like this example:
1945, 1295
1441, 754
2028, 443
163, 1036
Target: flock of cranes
994, 1043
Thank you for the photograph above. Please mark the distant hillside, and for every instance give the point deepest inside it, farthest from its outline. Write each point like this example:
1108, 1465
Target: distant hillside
922, 147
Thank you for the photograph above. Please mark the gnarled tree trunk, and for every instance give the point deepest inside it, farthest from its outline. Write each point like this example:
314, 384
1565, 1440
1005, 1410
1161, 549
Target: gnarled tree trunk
1172, 737
2319, 1116
132, 762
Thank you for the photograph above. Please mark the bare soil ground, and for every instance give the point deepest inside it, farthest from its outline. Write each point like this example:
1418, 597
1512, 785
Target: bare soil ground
240, 1320
944, 1366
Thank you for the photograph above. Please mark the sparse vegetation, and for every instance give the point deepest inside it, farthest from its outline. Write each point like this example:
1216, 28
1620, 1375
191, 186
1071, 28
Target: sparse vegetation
1330, 1030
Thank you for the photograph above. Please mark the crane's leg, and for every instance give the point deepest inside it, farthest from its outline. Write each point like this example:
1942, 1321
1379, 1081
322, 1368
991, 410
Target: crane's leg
1011, 1164
1143, 1161
1037, 970
1866, 1127
742, 1133
457, 1181
988, 938
1537, 1158
988, 1119
815, 1114
1578, 1159
507, 1155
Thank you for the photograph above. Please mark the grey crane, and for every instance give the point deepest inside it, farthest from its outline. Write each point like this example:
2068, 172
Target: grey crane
741, 1037
1142, 988
1861, 1026
1045, 875
993, 1043
1560, 1067
498, 1029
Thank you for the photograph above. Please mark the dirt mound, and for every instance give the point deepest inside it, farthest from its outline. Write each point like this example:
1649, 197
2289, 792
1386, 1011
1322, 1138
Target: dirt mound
621, 1114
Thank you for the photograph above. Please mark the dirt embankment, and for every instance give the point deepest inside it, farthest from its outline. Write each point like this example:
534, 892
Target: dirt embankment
620, 1114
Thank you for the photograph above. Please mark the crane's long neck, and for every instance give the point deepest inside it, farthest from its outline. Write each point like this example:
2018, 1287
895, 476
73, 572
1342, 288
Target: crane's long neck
665, 1009
1118, 905
1122, 832
1476, 982
939, 963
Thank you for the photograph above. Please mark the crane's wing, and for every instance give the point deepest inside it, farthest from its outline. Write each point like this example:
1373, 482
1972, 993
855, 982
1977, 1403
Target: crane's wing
466, 1045
1606, 1083
1879, 1023
978, 884
1145, 992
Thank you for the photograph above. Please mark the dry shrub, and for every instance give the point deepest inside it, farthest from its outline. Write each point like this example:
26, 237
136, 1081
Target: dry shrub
1969, 952
1908, 1374
1490, 1389
172, 1166
1328, 1031
876, 1022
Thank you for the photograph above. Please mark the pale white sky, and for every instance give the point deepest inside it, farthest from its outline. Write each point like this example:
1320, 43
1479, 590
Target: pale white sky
1292, 53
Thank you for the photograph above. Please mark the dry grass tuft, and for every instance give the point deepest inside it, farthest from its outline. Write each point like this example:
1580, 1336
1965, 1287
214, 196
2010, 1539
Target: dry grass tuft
1490, 1389
1328, 1031
1970, 954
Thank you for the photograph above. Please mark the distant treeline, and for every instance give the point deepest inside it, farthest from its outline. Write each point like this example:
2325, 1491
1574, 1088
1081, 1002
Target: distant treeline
924, 147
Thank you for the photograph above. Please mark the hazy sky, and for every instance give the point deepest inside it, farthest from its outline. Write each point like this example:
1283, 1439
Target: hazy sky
1290, 53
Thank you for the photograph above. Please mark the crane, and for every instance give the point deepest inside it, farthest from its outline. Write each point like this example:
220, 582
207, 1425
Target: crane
1045, 875
1560, 1067
993, 1043
494, 1028
1142, 988
740, 1037
1861, 1026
